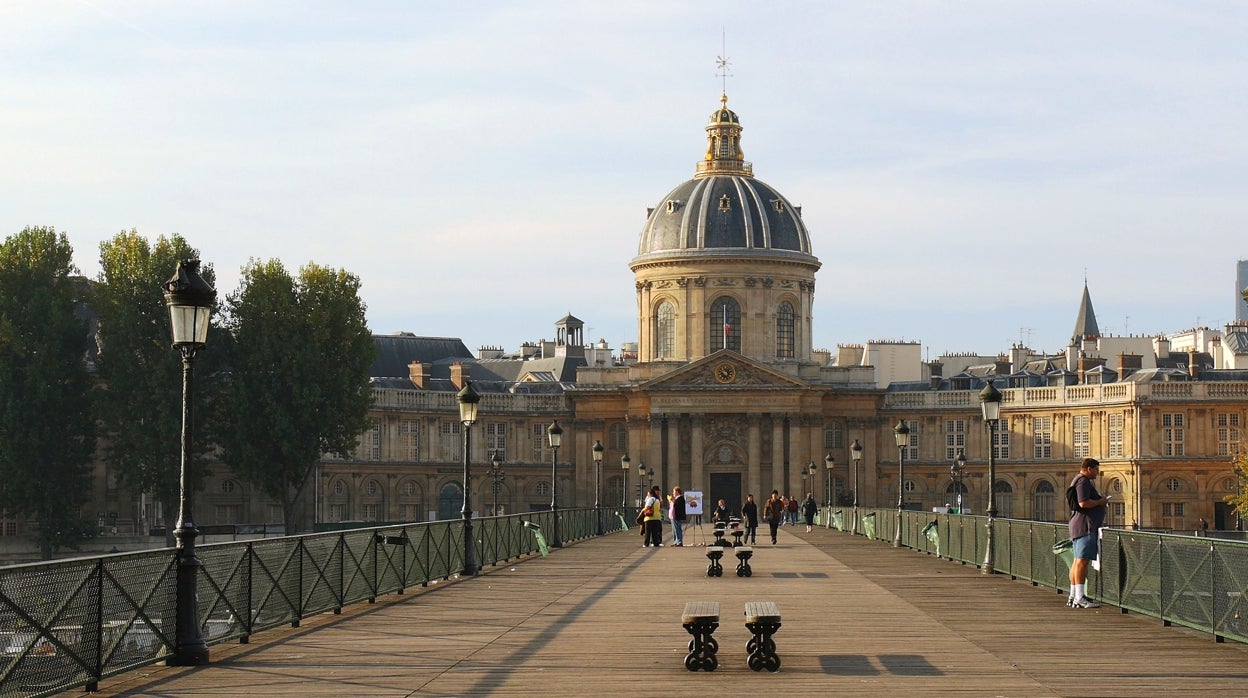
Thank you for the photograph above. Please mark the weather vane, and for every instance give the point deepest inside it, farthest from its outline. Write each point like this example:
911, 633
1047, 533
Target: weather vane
722, 63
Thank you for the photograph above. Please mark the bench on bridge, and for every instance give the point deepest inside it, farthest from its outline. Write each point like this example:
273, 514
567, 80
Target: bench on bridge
701, 618
762, 619
719, 530
714, 553
744, 553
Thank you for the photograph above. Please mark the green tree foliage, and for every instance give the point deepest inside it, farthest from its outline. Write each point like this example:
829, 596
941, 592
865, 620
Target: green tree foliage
1239, 500
299, 383
46, 433
139, 396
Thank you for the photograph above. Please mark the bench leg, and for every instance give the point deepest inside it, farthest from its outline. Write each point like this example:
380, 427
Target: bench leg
702, 647
743, 567
762, 648
715, 569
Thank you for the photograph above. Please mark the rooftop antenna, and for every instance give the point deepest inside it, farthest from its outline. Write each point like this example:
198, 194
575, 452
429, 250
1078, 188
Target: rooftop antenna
721, 66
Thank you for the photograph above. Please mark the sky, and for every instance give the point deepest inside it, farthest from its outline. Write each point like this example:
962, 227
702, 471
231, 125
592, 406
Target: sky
485, 167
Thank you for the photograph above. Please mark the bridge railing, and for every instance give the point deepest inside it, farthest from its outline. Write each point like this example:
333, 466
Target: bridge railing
1194, 581
70, 623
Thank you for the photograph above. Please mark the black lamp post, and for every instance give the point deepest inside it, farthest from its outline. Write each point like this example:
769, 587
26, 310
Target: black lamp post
830, 466
990, 401
597, 451
902, 433
625, 464
468, 399
649, 478
855, 454
957, 471
555, 433
641, 483
190, 300
497, 476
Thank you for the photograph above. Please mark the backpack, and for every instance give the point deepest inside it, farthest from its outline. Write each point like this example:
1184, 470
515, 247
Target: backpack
1072, 497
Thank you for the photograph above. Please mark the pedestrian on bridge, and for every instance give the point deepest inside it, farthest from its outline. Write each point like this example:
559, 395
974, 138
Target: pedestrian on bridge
773, 511
809, 509
1085, 524
676, 514
749, 512
654, 520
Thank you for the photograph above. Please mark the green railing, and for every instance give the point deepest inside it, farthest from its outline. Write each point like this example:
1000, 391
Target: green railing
70, 623
1197, 582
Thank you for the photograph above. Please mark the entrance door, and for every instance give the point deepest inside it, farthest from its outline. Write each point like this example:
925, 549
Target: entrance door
725, 486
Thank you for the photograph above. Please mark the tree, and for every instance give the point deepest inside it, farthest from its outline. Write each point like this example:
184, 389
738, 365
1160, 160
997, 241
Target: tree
298, 384
46, 432
139, 395
1239, 500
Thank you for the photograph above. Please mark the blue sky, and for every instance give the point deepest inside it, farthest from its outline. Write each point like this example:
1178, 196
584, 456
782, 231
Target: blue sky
485, 167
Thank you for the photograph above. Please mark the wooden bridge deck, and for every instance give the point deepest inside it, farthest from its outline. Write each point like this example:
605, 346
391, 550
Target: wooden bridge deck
602, 618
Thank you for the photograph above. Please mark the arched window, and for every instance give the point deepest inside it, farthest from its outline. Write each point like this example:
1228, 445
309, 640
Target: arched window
725, 329
1044, 502
784, 331
665, 331
450, 501
1003, 495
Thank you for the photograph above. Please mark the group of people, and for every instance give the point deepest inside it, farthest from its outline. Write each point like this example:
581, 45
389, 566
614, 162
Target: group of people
777, 511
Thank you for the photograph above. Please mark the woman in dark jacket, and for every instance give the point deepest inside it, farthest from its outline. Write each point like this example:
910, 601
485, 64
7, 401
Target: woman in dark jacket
808, 510
749, 512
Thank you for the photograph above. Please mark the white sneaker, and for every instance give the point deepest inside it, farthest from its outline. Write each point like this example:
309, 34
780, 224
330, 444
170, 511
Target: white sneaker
1085, 602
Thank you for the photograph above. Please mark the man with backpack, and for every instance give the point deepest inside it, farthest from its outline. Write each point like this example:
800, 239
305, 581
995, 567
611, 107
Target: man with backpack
1086, 518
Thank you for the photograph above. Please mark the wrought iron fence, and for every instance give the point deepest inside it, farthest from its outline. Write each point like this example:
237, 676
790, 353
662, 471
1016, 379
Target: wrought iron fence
1197, 582
71, 623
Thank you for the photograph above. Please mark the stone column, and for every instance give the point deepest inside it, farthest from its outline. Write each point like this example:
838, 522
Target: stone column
777, 456
696, 459
754, 454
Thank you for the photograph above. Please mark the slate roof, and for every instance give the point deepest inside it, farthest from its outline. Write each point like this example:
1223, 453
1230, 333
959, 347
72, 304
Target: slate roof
1085, 323
396, 351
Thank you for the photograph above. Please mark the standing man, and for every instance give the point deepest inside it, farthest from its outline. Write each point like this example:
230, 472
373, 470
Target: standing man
749, 512
1085, 525
654, 520
676, 512
774, 511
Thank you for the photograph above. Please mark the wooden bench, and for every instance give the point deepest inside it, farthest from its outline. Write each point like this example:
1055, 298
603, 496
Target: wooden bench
701, 618
762, 619
744, 553
714, 553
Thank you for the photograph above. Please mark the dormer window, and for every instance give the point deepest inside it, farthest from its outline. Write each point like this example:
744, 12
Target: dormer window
779, 205
672, 206
725, 203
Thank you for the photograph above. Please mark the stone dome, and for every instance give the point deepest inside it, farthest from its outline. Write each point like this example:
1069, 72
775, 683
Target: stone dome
724, 210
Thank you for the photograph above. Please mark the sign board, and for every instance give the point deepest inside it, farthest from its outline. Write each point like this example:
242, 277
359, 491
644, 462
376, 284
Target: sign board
693, 504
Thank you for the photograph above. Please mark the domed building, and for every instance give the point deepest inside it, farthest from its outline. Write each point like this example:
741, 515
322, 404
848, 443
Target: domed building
725, 262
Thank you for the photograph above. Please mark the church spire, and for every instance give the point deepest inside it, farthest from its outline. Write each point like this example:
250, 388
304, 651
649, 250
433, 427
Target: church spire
1085, 324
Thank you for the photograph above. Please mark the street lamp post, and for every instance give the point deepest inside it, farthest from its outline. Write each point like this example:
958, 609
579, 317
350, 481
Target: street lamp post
830, 466
990, 401
902, 434
497, 476
468, 399
641, 484
555, 433
650, 478
957, 471
597, 451
625, 464
855, 454
190, 300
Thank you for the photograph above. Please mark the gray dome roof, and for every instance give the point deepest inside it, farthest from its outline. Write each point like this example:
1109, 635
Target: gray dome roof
723, 210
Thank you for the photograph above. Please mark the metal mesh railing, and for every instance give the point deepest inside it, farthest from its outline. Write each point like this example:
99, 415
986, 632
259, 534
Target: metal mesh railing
1198, 582
70, 623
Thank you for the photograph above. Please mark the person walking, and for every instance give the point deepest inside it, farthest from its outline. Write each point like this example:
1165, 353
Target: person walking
1085, 525
792, 507
773, 511
809, 508
654, 520
676, 514
749, 512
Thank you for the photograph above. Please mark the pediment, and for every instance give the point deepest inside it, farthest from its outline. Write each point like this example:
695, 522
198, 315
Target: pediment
724, 370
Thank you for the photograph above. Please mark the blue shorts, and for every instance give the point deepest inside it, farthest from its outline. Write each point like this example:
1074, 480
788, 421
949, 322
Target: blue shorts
1086, 547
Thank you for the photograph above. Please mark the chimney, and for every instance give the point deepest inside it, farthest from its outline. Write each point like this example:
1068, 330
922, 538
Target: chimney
418, 373
1193, 369
1128, 364
460, 374
1087, 363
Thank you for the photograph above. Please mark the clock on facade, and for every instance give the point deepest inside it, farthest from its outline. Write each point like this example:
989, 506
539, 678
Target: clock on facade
725, 373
